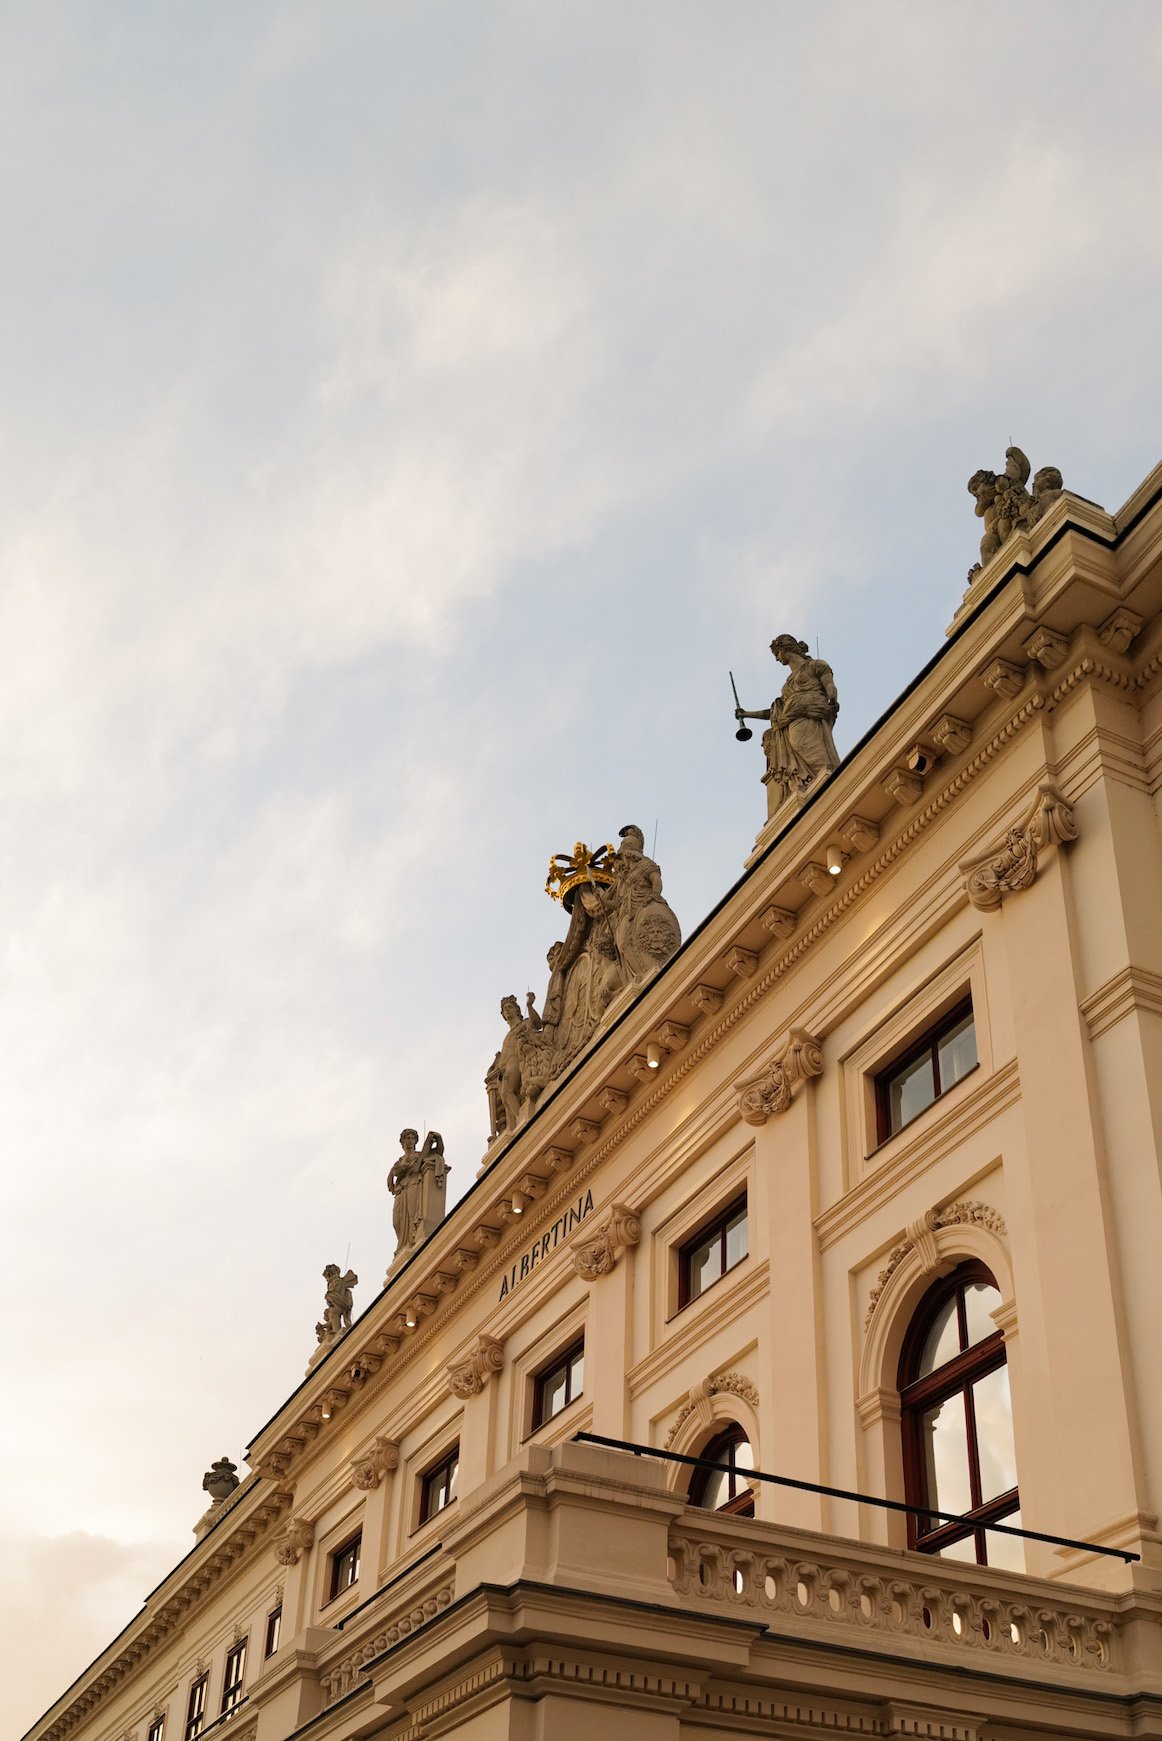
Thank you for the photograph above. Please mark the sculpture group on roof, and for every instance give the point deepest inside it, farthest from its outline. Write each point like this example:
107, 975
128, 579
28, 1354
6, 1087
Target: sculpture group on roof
1005, 504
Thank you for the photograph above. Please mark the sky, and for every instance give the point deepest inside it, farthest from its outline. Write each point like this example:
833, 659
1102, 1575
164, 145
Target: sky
409, 414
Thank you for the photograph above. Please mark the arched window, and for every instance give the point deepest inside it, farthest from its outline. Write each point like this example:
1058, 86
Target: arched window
957, 1422
725, 1489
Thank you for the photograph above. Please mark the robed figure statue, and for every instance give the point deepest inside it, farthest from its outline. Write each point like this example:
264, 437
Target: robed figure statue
798, 742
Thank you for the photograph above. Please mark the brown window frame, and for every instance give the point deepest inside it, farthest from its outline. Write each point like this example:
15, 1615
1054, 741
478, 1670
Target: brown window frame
273, 1631
928, 1041
740, 1504
718, 1224
351, 1552
196, 1706
448, 1467
917, 1395
232, 1688
156, 1730
563, 1363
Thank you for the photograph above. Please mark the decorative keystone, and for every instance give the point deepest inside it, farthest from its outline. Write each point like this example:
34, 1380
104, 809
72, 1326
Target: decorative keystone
952, 735
1004, 678
903, 787
1012, 864
468, 1377
857, 834
612, 1099
760, 1096
596, 1255
741, 961
1119, 629
815, 877
707, 998
779, 921
1047, 647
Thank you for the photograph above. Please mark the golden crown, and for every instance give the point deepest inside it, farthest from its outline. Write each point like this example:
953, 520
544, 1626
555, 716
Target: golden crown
568, 871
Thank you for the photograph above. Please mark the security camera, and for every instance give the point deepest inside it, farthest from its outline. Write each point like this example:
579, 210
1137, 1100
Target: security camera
919, 759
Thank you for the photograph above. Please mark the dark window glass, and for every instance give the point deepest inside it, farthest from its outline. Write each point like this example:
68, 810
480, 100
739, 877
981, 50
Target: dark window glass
156, 1730
929, 1068
715, 1249
438, 1487
345, 1566
725, 1489
957, 1423
234, 1676
273, 1629
559, 1385
196, 1709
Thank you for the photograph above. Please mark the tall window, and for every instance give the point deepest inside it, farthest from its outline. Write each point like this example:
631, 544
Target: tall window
345, 1566
957, 1423
156, 1729
438, 1487
196, 1709
273, 1630
558, 1385
715, 1248
929, 1068
725, 1489
234, 1676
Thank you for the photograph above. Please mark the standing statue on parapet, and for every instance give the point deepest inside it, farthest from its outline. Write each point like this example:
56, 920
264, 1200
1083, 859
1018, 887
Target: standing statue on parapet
339, 1304
417, 1183
521, 1068
798, 743
1005, 504
646, 928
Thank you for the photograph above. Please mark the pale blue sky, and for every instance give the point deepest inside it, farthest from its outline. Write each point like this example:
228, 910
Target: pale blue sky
408, 414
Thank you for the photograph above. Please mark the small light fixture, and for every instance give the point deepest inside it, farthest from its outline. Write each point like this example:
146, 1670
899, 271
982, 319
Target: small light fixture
409, 1317
835, 860
519, 1202
326, 1411
653, 1055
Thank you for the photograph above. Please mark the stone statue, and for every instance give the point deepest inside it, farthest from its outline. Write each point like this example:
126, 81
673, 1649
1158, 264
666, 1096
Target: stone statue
338, 1306
645, 927
220, 1479
798, 742
522, 1067
417, 1183
1005, 504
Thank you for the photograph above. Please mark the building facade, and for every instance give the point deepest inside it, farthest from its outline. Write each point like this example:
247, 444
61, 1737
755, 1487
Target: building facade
860, 1188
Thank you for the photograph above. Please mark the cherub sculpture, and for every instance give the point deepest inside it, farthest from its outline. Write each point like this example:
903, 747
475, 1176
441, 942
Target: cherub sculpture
1005, 504
339, 1303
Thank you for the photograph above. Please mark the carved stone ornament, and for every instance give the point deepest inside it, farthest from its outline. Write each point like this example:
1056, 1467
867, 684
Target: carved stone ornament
798, 744
337, 1308
220, 1479
417, 1183
779, 921
596, 1255
698, 1401
1119, 629
707, 998
293, 1540
815, 877
773, 1091
1004, 678
1005, 504
951, 734
468, 1377
741, 961
367, 1471
1047, 647
919, 1237
903, 786
1012, 864
857, 834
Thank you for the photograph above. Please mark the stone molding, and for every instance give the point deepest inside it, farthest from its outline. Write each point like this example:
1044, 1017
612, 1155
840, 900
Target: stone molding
952, 735
698, 1400
368, 1470
1047, 647
779, 921
772, 1091
294, 1539
1134, 988
1011, 865
920, 1237
1119, 629
596, 1254
468, 1377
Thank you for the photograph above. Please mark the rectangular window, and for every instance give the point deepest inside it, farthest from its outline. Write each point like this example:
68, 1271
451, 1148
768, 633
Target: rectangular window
929, 1068
716, 1248
438, 1487
559, 1385
235, 1675
156, 1730
196, 1709
273, 1628
345, 1567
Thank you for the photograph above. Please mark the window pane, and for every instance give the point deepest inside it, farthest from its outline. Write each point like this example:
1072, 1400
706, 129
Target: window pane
964, 1549
717, 1489
980, 1300
705, 1264
743, 1455
994, 1433
553, 1393
577, 1374
1006, 1551
910, 1092
453, 1471
942, 1341
736, 1246
944, 1439
956, 1053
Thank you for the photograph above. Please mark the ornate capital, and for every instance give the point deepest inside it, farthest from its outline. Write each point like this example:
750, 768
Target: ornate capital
469, 1376
293, 1540
368, 1470
596, 1255
772, 1092
1011, 865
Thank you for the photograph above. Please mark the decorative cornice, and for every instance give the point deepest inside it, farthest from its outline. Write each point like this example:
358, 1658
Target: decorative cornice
1134, 988
1011, 865
698, 1400
919, 1238
772, 1091
596, 1255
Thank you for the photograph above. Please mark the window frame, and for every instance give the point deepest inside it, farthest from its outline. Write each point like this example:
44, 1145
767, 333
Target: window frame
740, 1504
352, 1544
702, 1235
955, 1377
273, 1626
156, 1729
565, 1362
232, 1689
196, 1719
927, 1042
447, 1465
